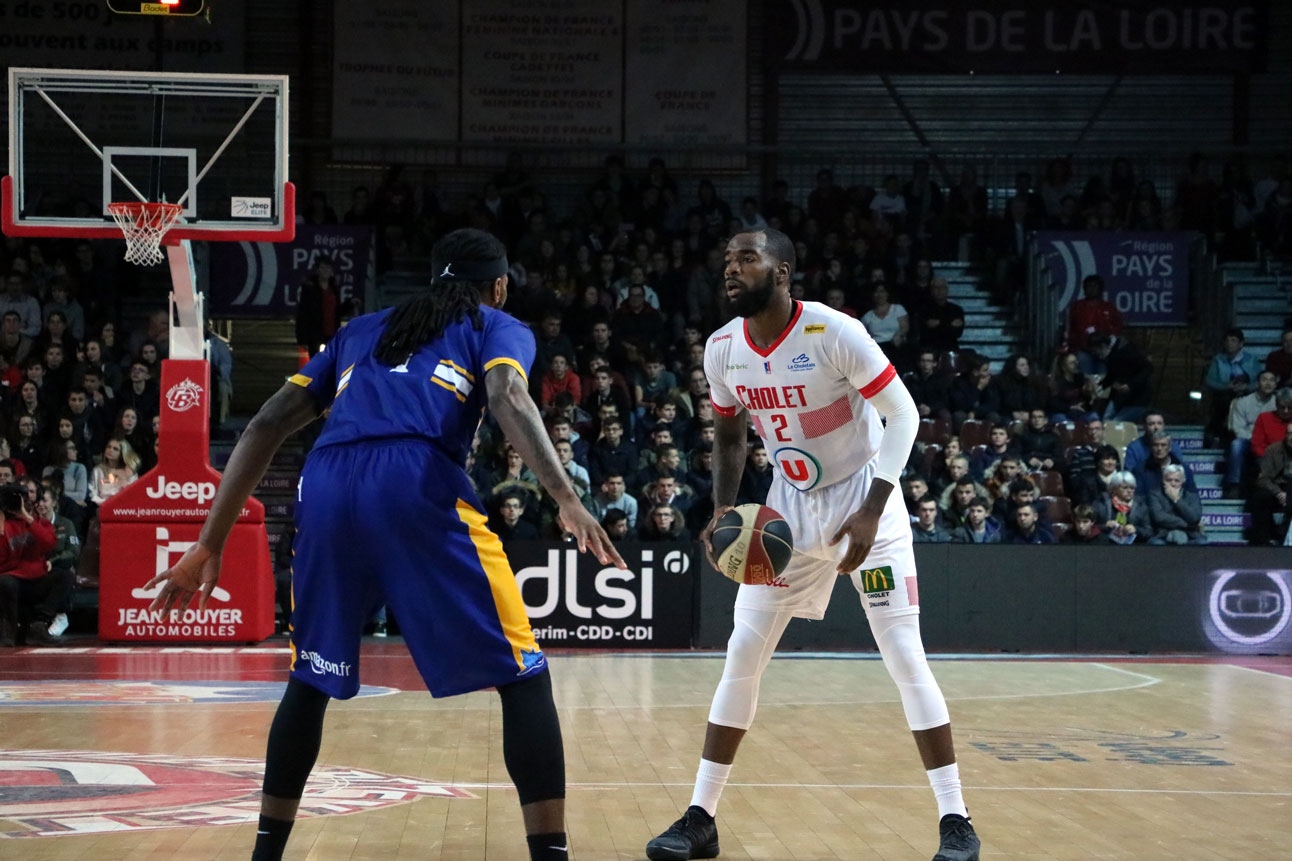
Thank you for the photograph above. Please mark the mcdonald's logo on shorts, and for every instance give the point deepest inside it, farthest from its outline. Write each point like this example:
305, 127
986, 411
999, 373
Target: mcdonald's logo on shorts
874, 580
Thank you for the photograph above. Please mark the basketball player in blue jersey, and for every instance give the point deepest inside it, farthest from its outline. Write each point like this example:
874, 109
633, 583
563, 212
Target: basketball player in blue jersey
404, 390
839, 426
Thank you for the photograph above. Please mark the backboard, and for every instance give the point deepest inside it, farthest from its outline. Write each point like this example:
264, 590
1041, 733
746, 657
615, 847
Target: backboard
81, 139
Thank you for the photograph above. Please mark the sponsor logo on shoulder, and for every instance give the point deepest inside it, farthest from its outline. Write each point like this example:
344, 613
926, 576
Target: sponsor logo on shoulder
726, 337
801, 362
814, 329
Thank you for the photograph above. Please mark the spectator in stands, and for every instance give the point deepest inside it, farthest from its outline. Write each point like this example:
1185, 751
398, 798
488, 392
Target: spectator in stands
1025, 527
73, 478
1231, 374
611, 454
930, 387
578, 474
14, 343
1140, 448
927, 528
1268, 429
1000, 444
24, 446
637, 322
1089, 484
1125, 519
1008, 249
28, 588
1271, 492
614, 495
67, 551
974, 394
1175, 510
1040, 445
16, 298
63, 301
1280, 361
889, 324
1071, 391
1020, 491
1243, 413
664, 523
667, 463
699, 473
318, 307
979, 526
118, 468
1162, 453
110, 372
939, 471
556, 379
1124, 393
156, 330
616, 524
942, 322
141, 392
914, 488
1084, 531
1019, 393
956, 500
757, 478
651, 383
87, 425
508, 523
29, 404
956, 467
604, 391
666, 490
1002, 475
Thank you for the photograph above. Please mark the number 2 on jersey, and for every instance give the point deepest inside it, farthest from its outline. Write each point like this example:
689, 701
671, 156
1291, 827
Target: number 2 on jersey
779, 424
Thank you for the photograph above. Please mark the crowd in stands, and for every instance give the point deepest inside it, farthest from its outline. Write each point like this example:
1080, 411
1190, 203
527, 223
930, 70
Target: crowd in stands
79, 410
622, 292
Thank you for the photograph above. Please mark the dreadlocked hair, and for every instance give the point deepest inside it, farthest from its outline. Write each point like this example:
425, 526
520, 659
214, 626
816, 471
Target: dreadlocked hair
424, 318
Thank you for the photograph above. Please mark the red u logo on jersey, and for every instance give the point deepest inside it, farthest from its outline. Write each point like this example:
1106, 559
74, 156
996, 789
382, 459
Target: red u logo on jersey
799, 468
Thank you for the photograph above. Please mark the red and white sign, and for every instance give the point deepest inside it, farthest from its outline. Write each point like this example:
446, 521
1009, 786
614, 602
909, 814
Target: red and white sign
146, 526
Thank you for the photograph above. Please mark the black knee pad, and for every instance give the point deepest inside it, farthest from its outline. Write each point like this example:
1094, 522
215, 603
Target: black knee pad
531, 739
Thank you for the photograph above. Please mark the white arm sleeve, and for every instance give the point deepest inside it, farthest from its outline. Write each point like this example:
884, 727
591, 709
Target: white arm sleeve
902, 423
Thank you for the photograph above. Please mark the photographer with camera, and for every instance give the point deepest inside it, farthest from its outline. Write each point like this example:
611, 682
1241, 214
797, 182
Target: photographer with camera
26, 581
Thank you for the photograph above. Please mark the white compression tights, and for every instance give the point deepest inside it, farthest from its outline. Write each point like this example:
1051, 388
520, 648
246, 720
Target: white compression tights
755, 634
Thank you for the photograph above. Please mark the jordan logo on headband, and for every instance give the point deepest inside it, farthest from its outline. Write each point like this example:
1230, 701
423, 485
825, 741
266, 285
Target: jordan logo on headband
448, 271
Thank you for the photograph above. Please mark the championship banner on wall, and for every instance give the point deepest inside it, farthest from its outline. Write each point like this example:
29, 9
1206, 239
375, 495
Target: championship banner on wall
688, 83
1018, 36
1146, 275
263, 279
574, 601
395, 70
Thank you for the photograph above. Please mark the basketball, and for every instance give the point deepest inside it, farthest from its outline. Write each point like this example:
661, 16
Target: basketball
752, 544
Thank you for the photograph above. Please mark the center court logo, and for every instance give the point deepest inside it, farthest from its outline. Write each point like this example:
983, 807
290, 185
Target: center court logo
49, 793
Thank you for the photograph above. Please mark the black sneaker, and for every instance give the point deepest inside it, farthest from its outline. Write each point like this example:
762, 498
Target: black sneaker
38, 635
959, 842
695, 835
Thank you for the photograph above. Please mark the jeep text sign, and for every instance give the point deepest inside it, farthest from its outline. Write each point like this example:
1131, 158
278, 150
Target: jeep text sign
575, 601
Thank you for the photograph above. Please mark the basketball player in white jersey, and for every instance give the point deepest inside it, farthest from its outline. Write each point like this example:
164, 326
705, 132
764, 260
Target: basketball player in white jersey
815, 385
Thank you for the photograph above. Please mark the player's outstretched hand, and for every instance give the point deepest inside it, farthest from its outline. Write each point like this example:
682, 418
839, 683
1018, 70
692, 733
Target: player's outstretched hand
860, 529
588, 534
195, 574
707, 533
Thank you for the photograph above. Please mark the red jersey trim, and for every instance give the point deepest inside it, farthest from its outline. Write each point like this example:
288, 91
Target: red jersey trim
873, 388
794, 318
729, 412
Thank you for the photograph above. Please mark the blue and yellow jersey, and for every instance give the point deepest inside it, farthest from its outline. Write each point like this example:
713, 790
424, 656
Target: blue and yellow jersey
437, 394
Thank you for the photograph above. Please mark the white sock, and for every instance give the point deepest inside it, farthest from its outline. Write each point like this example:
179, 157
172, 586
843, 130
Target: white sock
710, 780
946, 789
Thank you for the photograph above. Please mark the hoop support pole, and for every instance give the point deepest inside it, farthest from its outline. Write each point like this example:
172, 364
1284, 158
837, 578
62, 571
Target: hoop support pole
187, 326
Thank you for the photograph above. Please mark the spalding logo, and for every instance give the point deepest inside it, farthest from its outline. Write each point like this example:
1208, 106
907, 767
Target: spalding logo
184, 395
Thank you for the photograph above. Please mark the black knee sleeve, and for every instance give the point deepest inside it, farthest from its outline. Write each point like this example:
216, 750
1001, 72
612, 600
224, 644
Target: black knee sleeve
531, 739
294, 740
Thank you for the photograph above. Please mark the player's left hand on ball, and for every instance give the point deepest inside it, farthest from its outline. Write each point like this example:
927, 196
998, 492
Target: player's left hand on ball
194, 575
706, 534
860, 529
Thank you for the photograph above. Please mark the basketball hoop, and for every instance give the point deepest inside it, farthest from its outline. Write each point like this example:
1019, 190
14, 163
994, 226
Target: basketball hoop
144, 224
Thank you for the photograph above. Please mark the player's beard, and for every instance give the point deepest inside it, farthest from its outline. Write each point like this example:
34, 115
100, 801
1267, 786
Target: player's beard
751, 301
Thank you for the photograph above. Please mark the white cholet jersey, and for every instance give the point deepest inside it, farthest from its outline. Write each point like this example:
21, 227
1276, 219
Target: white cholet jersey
806, 393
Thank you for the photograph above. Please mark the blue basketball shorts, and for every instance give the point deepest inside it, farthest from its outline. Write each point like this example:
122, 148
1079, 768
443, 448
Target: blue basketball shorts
398, 523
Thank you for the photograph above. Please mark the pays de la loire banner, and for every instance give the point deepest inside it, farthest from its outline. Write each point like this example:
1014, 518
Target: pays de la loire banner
1146, 275
575, 601
263, 279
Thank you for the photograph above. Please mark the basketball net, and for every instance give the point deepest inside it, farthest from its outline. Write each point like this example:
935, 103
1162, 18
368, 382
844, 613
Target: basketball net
144, 224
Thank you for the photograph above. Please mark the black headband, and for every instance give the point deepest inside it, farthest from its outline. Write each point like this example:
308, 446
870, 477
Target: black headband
472, 270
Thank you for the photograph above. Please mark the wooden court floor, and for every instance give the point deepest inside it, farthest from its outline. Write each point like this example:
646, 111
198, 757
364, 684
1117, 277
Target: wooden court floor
152, 753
